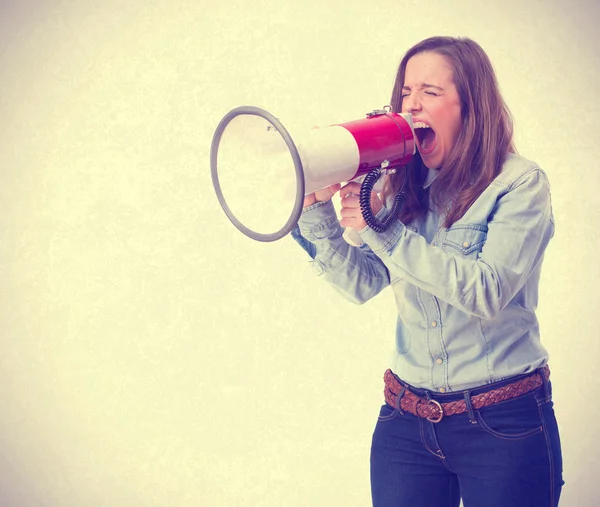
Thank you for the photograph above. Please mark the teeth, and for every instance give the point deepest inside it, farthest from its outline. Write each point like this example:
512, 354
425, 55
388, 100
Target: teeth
420, 125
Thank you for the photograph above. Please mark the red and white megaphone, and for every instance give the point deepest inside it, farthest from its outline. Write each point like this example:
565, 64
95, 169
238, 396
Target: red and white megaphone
261, 174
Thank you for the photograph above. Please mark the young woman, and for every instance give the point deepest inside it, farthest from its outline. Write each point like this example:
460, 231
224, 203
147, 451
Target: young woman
468, 410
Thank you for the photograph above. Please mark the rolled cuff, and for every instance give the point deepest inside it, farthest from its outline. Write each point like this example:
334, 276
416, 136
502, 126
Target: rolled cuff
382, 242
319, 222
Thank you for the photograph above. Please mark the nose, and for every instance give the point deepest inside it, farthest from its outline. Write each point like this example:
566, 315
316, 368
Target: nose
411, 104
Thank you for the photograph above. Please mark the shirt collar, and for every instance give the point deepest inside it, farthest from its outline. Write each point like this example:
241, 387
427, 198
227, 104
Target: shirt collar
431, 175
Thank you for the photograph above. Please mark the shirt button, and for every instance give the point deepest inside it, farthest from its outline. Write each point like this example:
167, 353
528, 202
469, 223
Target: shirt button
434, 323
439, 360
466, 244
442, 390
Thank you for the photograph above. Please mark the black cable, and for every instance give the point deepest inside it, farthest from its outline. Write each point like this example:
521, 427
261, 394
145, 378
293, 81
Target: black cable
365, 202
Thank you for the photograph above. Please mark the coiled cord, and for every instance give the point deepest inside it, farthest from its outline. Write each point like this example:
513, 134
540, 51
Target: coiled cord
365, 202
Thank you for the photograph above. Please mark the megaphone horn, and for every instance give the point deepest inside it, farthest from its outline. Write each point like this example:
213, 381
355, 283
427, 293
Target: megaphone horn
252, 137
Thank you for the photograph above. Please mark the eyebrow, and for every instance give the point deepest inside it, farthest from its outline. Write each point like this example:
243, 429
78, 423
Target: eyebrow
424, 85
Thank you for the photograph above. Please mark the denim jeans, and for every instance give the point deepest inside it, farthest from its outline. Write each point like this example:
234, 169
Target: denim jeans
507, 454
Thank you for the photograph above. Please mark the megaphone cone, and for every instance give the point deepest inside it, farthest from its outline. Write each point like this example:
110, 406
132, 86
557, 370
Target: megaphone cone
261, 175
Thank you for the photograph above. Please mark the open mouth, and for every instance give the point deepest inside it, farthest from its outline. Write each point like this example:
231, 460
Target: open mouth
425, 137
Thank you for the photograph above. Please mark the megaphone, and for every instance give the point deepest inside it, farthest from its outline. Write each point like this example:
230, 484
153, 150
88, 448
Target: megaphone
261, 173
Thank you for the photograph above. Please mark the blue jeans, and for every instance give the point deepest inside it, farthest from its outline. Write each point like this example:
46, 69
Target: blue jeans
507, 454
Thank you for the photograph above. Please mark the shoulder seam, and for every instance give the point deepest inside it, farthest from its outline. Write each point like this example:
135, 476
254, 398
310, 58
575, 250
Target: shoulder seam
534, 168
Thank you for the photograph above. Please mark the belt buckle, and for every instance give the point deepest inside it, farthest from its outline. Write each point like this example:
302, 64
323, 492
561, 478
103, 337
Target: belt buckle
438, 405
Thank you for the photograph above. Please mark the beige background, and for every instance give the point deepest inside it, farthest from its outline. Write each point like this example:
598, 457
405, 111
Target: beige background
150, 354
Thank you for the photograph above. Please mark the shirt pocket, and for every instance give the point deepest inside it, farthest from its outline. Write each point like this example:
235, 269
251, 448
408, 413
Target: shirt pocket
465, 240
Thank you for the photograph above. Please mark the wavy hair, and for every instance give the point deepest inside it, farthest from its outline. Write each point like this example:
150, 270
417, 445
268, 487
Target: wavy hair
484, 142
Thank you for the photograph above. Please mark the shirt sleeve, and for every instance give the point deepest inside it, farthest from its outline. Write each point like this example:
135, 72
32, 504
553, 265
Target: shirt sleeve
356, 272
518, 231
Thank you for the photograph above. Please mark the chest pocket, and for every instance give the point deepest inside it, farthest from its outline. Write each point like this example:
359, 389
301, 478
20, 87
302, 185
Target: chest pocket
465, 240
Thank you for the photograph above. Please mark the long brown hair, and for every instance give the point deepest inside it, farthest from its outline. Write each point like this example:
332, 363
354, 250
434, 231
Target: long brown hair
484, 141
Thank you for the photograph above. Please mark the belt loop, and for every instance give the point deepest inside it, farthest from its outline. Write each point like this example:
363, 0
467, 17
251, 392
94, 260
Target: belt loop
546, 383
472, 418
399, 398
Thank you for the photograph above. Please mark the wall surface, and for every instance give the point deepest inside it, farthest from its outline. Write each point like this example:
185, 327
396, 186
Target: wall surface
150, 354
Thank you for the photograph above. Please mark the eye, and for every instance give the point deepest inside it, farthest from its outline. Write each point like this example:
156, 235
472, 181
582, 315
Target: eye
431, 93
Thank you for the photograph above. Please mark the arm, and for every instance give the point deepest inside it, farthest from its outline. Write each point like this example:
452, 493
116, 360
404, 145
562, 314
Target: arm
356, 272
519, 229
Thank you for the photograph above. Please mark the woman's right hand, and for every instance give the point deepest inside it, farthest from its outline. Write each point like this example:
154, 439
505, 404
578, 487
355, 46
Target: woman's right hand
321, 195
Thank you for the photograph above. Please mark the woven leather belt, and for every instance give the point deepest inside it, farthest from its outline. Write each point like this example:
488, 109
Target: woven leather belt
398, 395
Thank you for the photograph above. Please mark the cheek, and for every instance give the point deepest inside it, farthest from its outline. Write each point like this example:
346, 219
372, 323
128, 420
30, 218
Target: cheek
456, 128
452, 127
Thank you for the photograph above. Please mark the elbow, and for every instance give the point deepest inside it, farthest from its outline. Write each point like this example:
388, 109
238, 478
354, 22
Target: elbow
489, 307
490, 312
489, 298
357, 298
487, 302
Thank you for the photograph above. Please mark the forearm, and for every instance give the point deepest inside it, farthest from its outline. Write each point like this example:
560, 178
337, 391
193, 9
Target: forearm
356, 272
512, 245
471, 286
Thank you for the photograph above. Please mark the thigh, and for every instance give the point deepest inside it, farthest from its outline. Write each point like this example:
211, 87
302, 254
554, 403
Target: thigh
404, 473
512, 456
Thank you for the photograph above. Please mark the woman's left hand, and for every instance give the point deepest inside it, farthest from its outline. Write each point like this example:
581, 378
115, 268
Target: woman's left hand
350, 211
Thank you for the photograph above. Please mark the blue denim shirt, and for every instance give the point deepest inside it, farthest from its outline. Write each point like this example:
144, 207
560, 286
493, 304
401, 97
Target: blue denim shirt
466, 296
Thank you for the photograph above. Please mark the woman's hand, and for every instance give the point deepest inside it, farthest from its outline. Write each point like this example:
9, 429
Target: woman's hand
350, 212
321, 195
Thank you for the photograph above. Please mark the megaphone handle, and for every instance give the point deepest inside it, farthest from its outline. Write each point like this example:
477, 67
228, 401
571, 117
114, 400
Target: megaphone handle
352, 237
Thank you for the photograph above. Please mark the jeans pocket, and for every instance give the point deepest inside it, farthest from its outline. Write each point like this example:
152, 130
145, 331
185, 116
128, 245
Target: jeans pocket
387, 413
514, 419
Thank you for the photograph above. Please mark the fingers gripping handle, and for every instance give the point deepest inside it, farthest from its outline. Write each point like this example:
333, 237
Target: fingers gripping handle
370, 183
350, 235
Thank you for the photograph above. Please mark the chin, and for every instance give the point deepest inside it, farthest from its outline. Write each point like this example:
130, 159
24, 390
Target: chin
433, 159
431, 163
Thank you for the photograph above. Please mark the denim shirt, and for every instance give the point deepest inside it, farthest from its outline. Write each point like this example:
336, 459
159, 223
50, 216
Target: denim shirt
466, 296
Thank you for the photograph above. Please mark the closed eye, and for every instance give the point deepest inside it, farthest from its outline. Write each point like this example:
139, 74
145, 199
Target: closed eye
406, 94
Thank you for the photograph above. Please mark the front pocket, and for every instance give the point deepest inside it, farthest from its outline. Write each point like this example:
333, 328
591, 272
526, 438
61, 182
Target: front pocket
514, 419
387, 413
